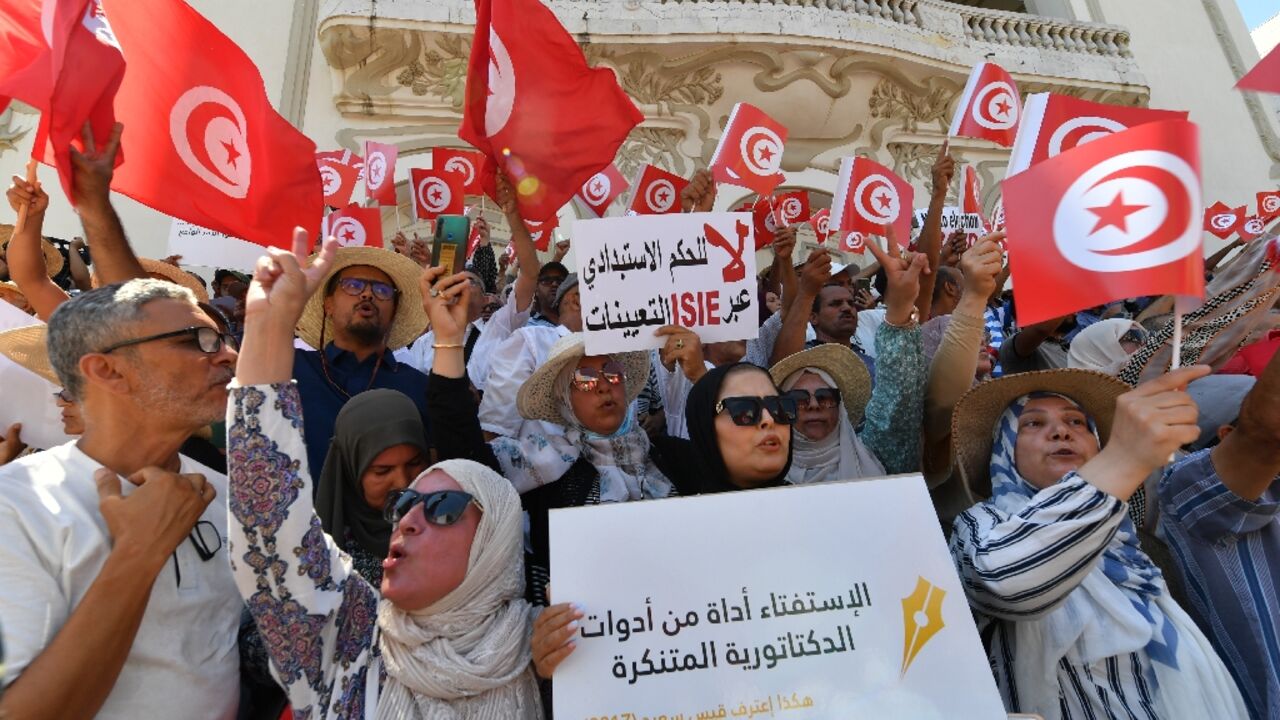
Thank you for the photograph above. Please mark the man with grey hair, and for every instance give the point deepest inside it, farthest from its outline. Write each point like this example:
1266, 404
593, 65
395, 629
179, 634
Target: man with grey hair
117, 596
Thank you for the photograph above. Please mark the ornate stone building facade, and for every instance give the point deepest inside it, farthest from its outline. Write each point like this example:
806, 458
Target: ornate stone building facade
878, 78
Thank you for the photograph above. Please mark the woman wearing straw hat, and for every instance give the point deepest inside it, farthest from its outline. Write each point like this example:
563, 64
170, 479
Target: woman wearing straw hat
1078, 620
449, 636
832, 388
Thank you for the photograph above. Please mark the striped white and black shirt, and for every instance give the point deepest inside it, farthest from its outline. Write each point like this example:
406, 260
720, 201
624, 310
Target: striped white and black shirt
1016, 568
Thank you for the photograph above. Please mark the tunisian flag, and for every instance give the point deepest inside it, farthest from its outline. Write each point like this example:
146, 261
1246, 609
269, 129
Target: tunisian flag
1223, 220
599, 192
821, 224
535, 108
1117, 218
791, 208
971, 204
339, 175
380, 172
541, 232
1054, 123
355, 226
657, 192
436, 193
749, 153
869, 196
1268, 204
464, 163
204, 143
989, 108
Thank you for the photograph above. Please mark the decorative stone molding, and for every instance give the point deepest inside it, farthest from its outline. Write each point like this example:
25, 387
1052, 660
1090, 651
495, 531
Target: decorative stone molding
1022, 30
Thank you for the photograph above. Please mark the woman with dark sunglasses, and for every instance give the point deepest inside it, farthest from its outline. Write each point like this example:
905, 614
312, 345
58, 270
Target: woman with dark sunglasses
448, 635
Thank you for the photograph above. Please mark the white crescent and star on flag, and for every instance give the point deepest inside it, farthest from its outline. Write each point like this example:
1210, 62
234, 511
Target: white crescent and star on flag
434, 194
464, 166
211, 136
660, 196
761, 150
876, 200
995, 106
1130, 212
1079, 131
331, 179
597, 189
348, 231
502, 86
376, 168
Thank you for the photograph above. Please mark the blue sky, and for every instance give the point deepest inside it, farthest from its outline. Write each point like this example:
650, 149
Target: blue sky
1257, 12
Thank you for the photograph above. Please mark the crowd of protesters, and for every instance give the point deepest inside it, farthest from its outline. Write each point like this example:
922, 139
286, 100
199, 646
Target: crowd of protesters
325, 489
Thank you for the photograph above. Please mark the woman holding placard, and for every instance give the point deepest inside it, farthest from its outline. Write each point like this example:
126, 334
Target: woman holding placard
1078, 619
448, 635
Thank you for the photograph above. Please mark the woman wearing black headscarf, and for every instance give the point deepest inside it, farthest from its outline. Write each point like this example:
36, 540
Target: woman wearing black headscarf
379, 446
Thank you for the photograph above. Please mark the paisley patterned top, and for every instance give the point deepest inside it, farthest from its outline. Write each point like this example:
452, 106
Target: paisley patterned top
317, 616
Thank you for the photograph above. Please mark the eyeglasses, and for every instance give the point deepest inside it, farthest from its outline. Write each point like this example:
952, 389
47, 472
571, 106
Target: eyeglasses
826, 398
551, 280
355, 286
748, 410
588, 379
442, 507
209, 340
205, 539
64, 396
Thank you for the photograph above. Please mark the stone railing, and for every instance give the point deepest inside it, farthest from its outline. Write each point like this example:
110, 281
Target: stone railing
1034, 31
990, 26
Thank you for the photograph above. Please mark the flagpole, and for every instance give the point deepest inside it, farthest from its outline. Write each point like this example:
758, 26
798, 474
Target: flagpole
22, 211
1177, 341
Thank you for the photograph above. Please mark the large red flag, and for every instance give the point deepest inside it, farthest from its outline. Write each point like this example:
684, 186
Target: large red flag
1223, 220
89, 70
1117, 218
989, 107
1265, 76
436, 193
536, 109
657, 192
1054, 123
355, 226
465, 163
869, 196
380, 172
599, 192
749, 153
204, 144
27, 64
339, 175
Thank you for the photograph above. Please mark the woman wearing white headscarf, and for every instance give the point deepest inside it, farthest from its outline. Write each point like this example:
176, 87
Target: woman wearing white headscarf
450, 635
1106, 345
832, 389
1077, 618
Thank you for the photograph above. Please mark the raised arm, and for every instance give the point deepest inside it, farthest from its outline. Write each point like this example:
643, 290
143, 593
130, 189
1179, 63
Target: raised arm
930, 242
526, 253
784, 246
815, 273
79, 271
91, 175
25, 257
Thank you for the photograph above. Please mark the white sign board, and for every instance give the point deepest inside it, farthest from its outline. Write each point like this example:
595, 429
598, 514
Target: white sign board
639, 273
952, 220
27, 397
209, 248
800, 603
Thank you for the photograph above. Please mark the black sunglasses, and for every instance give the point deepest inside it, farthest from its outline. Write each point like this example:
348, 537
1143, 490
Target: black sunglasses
64, 396
205, 539
354, 286
442, 507
1135, 335
747, 410
826, 398
587, 379
209, 340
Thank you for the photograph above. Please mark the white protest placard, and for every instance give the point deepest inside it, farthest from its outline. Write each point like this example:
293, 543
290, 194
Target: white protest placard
952, 220
834, 600
639, 273
201, 246
28, 398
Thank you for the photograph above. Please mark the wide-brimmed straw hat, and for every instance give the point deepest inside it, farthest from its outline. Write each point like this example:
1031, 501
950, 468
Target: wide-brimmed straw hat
974, 419
26, 346
410, 320
853, 380
537, 398
172, 273
53, 260
11, 288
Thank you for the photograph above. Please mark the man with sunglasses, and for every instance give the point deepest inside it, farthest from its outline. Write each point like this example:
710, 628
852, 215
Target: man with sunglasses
368, 307
117, 596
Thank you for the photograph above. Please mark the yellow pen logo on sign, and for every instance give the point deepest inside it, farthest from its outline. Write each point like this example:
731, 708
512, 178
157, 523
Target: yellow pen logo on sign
921, 619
